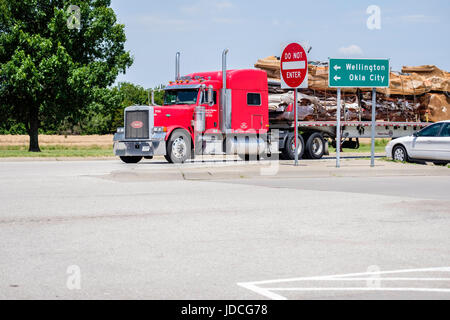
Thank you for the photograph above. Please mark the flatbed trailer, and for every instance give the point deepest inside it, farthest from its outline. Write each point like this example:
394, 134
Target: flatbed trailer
357, 129
351, 132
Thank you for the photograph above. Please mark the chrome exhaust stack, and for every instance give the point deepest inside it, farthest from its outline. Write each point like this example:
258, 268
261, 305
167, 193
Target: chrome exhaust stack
177, 66
224, 68
225, 105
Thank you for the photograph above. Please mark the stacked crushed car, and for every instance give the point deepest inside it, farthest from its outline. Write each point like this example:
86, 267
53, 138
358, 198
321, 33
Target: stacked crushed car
414, 94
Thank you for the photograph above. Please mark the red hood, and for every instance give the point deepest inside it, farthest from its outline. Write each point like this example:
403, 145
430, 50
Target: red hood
174, 115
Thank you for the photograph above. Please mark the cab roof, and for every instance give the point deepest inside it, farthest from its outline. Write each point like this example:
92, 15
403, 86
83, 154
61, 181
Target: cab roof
242, 79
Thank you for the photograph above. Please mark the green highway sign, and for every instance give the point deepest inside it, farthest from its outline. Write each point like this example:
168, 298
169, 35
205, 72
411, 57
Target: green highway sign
358, 73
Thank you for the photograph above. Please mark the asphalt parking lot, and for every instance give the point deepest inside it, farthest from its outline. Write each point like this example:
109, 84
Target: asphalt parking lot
106, 230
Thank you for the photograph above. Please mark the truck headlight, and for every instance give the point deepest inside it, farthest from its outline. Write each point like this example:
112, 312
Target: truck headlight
120, 130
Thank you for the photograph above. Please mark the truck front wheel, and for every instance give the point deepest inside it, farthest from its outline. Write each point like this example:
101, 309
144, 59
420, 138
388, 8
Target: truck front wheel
179, 147
288, 151
131, 159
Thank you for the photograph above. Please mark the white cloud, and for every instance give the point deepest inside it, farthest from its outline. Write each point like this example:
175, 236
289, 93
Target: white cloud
222, 20
152, 20
418, 18
212, 11
351, 50
206, 6
220, 5
154, 23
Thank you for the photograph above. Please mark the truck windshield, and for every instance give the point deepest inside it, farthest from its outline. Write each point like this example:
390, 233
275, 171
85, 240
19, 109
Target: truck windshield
187, 96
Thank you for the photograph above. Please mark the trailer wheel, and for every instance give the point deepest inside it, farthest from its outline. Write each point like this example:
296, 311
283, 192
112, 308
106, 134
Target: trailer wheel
282, 155
315, 146
178, 147
306, 136
437, 163
131, 159
289, 149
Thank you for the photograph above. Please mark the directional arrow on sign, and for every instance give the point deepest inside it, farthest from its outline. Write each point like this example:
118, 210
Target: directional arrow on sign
336, 78
336, 67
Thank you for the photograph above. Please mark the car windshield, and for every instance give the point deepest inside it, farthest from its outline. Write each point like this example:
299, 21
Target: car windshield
187, 96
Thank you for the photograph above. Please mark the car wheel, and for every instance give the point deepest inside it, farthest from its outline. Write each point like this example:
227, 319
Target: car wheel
179, 147
131, 159
399, 154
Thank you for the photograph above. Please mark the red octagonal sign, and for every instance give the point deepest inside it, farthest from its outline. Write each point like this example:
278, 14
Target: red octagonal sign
294, 65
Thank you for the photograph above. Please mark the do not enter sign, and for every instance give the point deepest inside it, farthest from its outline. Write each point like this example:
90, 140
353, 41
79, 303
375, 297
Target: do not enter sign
294, 67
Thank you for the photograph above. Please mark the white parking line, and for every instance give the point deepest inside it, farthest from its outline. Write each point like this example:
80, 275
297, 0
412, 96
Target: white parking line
268, 292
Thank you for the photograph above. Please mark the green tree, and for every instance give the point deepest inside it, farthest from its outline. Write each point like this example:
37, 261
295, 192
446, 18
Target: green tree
51, 71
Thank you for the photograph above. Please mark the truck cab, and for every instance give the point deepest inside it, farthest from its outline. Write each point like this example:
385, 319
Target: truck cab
203, 113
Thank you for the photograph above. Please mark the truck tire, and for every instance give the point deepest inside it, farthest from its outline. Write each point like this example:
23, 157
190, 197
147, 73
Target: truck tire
439, 163
244, 157
399, 153
315, 146
247, 157
131, 159
288, 152
179, 147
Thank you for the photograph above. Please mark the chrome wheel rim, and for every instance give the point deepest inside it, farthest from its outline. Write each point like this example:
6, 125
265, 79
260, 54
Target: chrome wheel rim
317, 146
179, 148
399, 154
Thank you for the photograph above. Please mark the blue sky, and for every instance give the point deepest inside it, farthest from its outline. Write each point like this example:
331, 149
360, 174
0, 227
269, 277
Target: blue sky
412, 33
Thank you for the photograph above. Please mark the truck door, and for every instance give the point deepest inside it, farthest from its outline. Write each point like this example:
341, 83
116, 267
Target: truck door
254, 104
257, 121
212, 112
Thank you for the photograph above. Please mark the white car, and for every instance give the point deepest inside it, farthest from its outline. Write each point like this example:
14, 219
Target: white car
429, 144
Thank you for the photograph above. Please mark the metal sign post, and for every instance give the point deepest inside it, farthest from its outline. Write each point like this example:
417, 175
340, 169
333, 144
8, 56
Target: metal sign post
296, 127
357, 73
338, 129
294, 74
374, 106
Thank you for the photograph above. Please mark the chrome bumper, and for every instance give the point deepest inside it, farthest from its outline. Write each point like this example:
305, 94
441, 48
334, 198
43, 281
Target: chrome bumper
156, 146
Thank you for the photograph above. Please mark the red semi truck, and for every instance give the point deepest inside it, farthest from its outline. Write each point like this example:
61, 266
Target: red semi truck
226, 112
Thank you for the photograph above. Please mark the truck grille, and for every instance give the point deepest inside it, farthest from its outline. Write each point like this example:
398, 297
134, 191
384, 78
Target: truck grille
136, 124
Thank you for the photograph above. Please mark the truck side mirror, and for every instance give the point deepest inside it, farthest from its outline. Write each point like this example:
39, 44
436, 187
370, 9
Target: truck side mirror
210, 96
